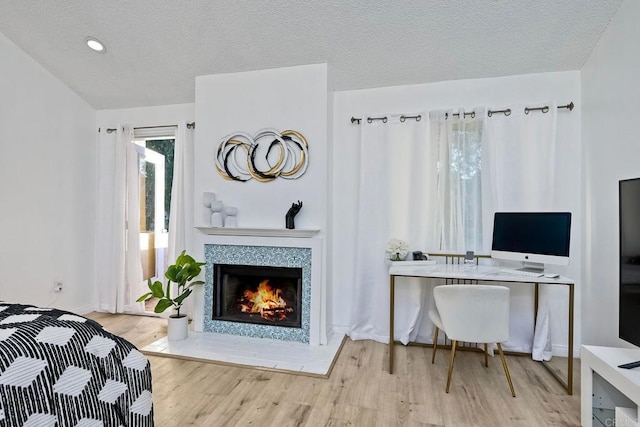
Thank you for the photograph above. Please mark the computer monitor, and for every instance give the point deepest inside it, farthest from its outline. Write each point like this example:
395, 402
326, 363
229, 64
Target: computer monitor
535, 238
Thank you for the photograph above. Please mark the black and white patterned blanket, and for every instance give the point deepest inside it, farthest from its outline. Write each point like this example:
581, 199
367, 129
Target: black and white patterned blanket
61, 369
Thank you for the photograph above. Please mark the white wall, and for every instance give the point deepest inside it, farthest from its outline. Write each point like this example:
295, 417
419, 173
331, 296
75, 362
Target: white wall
47, 163
533, 90
611, 143
285, 98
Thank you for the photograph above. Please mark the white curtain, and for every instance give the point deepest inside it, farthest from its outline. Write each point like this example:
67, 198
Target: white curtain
396, 199
518, 175
455, 139
520, 160
430, 183
459, 141
180, 221
119, 268
134, 284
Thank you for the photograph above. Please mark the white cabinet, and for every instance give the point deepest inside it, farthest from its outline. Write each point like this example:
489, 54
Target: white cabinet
610, 396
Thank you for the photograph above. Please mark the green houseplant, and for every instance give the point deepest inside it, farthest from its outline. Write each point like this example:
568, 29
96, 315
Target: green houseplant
181, 273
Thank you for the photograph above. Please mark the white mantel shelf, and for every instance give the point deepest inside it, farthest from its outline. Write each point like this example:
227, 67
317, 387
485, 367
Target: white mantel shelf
259, 232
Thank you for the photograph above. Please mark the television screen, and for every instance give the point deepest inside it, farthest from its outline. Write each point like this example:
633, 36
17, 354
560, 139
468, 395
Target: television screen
629, 312
532, 236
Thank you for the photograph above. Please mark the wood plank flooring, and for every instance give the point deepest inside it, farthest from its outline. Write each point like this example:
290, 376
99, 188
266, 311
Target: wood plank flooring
359, 392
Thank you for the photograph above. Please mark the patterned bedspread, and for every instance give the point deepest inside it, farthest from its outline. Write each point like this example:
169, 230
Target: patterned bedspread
61, 369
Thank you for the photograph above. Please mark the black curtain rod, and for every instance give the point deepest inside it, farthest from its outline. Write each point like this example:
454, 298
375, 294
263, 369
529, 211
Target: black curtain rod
506, 112
191, 125
153, 127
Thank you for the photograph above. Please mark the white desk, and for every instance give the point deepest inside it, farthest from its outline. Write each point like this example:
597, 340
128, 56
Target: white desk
479, 273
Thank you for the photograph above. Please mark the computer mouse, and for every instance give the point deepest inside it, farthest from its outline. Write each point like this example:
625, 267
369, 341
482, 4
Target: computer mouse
551, 275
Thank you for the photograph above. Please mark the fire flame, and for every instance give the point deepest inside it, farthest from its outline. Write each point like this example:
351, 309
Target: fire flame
265, 301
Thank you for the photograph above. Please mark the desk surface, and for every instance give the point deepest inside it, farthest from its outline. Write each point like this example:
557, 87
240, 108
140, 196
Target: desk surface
475, 272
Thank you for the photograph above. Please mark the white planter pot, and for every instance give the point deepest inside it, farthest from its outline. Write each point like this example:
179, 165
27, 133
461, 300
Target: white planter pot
177, 328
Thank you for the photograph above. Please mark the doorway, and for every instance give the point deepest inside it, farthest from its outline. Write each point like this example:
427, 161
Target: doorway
156, 158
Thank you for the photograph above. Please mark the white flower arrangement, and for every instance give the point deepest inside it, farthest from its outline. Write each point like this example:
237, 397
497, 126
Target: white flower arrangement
397, 249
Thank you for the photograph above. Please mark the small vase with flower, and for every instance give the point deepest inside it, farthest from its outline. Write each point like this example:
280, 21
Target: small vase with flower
397, 250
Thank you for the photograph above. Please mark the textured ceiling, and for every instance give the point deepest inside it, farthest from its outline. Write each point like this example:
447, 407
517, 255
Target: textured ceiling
156, 48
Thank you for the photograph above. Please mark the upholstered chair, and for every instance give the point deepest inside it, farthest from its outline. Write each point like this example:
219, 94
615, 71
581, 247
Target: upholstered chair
472, 313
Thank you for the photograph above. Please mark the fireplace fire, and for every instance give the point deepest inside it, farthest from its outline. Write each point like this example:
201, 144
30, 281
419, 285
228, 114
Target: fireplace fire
257, 294
266, 301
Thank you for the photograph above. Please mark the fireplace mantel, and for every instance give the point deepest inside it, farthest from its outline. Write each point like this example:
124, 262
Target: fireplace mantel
258, 232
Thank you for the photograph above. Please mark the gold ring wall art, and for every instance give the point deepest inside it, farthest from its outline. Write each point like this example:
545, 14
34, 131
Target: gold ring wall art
265, 156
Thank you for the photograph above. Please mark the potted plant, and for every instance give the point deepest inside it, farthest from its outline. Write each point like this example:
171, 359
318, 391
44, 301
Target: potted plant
181, 273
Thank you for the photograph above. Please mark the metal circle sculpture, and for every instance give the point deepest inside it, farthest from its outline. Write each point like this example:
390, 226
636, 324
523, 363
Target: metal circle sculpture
241, 157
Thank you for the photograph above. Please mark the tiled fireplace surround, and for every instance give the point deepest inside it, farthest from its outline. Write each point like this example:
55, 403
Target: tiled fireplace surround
299, 250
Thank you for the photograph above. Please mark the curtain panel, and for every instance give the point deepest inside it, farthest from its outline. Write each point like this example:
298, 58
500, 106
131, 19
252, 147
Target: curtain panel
180, 219
458, 136
118, 264
180, 222
519, 175
396, 199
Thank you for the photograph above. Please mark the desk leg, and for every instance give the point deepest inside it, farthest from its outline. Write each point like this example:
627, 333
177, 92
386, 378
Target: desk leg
586, 393
535, 306
392, 285
570, 343
569, 383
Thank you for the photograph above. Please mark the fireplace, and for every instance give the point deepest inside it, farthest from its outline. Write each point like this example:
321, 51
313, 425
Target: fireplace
257, 294
238, 277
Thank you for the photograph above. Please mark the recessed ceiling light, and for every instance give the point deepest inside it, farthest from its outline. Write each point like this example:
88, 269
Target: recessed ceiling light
96, 45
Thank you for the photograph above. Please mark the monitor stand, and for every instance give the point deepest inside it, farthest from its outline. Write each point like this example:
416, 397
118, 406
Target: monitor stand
532, 267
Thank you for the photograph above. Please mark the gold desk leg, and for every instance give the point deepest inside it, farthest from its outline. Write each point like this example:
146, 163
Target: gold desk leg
535, 306
569, 383
435, 344
570, 349
392, 285
486, 359
453, 358
506, 369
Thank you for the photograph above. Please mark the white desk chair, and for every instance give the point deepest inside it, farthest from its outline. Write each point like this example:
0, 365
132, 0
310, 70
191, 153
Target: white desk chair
472, 313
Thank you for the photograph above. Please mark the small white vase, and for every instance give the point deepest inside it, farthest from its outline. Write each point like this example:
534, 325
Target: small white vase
177, 328
397, 257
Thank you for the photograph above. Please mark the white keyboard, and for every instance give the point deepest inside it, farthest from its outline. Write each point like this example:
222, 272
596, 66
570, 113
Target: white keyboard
520, 272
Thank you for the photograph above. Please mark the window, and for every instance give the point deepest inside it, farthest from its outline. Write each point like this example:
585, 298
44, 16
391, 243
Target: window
157, 171
156, 156
460, 184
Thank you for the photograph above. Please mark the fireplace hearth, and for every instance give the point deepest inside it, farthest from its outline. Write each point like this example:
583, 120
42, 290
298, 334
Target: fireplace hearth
257, 294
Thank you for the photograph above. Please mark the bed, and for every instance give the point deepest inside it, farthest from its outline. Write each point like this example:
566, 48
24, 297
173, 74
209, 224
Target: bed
61, 369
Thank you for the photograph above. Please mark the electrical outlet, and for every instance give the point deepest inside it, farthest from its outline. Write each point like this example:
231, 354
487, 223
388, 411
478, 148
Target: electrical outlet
57, 286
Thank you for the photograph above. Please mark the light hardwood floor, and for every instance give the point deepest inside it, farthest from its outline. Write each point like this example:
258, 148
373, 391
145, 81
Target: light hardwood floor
359, 392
